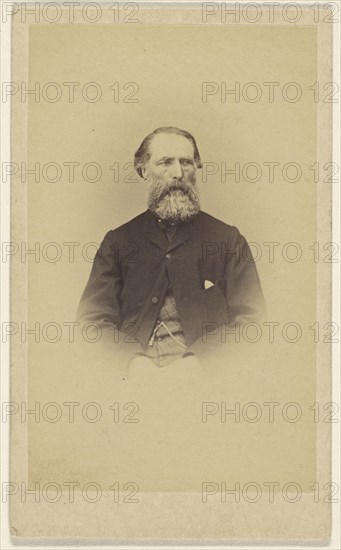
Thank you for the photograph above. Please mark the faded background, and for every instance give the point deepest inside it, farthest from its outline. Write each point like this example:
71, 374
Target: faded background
170, 448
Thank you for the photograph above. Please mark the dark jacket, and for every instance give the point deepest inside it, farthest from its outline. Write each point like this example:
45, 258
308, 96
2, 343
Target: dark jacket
135, 264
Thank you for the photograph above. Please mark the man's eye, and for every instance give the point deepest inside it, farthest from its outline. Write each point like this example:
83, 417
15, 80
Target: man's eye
187, 162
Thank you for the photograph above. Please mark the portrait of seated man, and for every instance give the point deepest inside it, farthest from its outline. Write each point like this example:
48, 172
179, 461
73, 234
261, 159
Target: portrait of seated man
164, 283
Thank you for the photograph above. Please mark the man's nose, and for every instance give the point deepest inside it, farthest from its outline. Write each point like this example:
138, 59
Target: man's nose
176, 171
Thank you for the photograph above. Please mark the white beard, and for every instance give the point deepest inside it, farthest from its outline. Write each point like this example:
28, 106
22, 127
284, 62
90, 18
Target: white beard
174, 201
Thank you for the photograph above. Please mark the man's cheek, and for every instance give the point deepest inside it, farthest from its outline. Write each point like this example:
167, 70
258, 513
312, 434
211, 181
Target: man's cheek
191, 175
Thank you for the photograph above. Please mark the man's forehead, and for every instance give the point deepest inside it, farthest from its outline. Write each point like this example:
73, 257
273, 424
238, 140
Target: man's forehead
170, 145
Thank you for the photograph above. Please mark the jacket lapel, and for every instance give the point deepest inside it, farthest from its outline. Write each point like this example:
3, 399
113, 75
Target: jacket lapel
158, 237
154, 232
181, 236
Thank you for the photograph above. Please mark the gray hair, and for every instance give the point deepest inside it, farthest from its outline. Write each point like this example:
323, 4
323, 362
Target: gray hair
142, 155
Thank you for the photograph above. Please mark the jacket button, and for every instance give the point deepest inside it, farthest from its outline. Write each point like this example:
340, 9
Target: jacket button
168, 256
155, 300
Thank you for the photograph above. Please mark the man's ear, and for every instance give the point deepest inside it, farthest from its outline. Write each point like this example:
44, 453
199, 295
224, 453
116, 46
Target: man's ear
144, 172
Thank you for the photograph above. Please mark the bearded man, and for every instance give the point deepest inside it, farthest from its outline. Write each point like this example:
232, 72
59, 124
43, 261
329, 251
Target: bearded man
173, 281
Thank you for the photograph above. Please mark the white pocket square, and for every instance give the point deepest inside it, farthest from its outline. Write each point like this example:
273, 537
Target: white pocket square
208, 284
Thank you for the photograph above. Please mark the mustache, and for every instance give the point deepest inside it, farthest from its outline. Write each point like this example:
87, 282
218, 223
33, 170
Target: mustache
177, 185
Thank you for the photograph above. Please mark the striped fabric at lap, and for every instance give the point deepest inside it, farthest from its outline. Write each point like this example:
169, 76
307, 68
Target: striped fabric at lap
167, 342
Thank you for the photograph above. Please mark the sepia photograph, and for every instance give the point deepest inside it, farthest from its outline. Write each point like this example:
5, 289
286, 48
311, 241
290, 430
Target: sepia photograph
173, 274
171, 251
